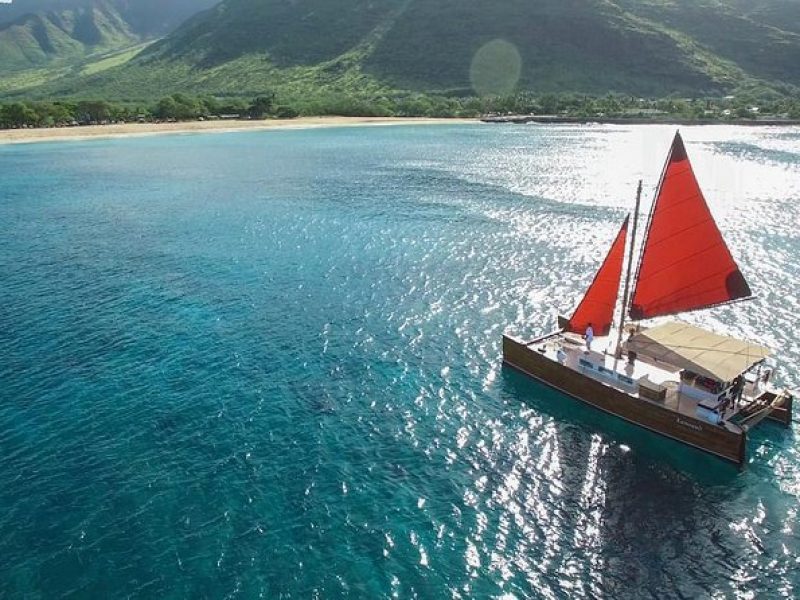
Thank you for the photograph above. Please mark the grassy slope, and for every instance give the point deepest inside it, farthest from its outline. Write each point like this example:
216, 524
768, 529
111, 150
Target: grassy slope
784, 14
43, 78
246, 76
108, 60
756, 41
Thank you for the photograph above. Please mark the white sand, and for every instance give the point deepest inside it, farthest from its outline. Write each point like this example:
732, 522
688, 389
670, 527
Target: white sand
17, 136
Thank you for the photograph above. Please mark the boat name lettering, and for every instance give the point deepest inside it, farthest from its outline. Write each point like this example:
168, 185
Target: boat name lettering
689, 425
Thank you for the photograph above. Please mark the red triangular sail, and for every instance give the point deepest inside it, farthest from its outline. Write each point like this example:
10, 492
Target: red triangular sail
597, 306
685, 263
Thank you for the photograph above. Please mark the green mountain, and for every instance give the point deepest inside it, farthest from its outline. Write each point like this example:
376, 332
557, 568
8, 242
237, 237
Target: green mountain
13, 10
783, 14
460, 47
41, 33
152, 18
760, 37
39, 38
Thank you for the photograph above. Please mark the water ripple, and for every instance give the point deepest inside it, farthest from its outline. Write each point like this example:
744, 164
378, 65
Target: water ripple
269, 365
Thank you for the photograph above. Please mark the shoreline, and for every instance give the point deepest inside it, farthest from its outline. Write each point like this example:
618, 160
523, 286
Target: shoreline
559, 120
125, 130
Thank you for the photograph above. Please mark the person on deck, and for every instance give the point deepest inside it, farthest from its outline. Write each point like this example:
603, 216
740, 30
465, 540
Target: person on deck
589, 336
738, 389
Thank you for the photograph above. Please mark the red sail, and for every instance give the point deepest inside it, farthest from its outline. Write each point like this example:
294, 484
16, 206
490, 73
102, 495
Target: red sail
597, 306
685, 263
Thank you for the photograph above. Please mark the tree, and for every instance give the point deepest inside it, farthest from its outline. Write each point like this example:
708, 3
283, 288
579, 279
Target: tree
285, 112
417, 105
210, 105
93, 111
52, 113
549, 104
261, 107
233, 106
166, 108
179, 107
187, 107
16, 115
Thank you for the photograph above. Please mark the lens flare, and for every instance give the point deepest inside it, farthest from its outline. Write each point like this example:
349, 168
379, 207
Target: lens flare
496, 68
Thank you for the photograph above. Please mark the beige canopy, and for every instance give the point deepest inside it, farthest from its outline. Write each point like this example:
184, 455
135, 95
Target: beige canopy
688, 347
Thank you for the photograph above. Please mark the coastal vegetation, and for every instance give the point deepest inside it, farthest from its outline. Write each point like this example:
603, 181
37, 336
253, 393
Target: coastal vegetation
177, 107
186, 107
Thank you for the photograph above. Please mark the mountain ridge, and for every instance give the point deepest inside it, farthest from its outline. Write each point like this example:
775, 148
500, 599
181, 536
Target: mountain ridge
461, 47
72, 30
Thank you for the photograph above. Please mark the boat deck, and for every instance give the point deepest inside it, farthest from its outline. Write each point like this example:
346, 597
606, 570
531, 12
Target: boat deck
601, 365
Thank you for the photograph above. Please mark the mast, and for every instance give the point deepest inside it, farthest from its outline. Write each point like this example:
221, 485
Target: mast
650, 214
618, 347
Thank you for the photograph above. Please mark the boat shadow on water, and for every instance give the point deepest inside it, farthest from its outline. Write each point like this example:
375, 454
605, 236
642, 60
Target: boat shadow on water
645, 446
646, 513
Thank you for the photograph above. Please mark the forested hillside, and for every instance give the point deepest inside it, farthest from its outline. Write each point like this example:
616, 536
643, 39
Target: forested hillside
462, 47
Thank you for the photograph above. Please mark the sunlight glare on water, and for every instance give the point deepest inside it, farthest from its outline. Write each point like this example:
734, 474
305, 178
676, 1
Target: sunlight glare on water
268, 364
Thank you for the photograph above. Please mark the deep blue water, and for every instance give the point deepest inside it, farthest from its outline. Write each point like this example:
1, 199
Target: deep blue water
268, 365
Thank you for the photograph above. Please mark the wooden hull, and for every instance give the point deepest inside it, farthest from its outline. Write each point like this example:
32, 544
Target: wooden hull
716, 440
783, 414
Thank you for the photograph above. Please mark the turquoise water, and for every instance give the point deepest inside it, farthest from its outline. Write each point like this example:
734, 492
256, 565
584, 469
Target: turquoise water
268, 365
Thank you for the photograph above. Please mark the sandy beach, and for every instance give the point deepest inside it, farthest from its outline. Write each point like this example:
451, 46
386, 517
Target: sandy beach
89, 132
